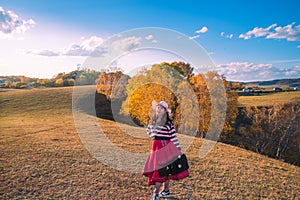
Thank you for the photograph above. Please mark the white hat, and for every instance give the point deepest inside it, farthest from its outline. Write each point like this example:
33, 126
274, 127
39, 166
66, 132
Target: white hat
163, 104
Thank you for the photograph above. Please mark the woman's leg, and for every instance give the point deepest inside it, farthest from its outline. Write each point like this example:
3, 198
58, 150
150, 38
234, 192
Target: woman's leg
157, 187
166, 186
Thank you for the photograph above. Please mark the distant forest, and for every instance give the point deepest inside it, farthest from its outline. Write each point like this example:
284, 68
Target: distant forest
82, 77
89, 77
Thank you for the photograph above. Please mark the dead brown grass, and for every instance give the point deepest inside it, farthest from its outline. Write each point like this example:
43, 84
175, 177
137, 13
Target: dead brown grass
42, 157
269, 99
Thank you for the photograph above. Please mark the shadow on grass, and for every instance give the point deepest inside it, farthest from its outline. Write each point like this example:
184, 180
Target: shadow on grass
109, 109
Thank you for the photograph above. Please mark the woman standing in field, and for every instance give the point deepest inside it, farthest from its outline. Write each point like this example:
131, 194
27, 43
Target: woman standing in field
165, 149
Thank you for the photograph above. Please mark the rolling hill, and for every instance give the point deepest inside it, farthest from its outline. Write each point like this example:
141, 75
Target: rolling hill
275, 83
43, 157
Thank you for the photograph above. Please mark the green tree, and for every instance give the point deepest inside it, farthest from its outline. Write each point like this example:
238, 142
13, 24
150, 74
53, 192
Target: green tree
33, 84
49, 83
19, 85
71, 81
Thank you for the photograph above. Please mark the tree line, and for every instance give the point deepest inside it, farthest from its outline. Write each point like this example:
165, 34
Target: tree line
80, 77
272, 131
187, 94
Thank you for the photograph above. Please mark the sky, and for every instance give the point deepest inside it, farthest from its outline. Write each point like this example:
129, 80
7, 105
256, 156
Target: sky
246, 40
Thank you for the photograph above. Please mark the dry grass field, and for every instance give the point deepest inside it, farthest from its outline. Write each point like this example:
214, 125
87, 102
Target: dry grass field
42, 157
268, 99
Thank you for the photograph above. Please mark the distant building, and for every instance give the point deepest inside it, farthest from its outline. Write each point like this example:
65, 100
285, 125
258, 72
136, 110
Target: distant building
247, 90
277, 89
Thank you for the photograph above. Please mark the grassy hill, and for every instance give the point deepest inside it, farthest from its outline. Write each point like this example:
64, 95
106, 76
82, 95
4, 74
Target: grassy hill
42, 157
275, 83
271, 98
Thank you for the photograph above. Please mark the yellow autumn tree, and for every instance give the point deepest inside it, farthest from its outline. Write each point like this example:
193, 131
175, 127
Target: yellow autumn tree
112, 84
140, 102
204, 101
198, 102
160, 83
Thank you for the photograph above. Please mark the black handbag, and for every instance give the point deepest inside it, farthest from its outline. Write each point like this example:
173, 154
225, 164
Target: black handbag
177, 166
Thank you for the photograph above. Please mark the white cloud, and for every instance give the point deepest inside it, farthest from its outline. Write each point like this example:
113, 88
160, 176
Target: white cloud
245, 71
11, 23
295, 71
288, 32
88, 47
91, 43
298, 46
194, 37
127, 44
75, 50
85, 48
245, 37
41, 52
202, 30
230, 36
260, 32
149, 37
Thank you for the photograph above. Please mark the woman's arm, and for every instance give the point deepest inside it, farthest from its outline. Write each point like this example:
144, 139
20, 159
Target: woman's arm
168, 130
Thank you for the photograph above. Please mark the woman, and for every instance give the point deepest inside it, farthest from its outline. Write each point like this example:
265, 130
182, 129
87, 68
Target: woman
165, 149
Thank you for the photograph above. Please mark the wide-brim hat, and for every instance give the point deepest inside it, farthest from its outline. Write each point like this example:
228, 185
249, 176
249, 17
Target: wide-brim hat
163, 104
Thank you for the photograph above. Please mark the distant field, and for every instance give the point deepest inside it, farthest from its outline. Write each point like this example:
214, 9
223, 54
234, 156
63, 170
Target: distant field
42, 157
268, 99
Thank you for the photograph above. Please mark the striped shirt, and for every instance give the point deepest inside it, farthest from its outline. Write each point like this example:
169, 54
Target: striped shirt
166, 132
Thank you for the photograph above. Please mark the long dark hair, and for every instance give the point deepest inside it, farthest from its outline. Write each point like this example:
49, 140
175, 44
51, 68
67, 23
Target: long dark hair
156, 120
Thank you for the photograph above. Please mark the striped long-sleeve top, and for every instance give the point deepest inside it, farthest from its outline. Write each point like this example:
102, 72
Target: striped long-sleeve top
166, 132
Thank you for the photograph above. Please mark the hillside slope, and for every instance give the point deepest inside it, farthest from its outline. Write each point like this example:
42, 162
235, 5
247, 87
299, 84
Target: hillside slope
42, 157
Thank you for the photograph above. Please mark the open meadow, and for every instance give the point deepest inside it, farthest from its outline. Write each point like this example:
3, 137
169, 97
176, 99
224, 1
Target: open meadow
269, 99
42, 157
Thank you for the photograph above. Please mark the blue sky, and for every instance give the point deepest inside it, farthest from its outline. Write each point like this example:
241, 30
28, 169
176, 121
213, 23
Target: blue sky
256, 40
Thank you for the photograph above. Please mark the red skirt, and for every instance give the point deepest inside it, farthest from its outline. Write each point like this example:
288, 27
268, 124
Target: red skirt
162, 153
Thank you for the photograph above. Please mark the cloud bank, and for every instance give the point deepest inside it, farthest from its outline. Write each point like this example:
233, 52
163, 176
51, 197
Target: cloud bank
290, 32
245, 71
88, 47
85, 48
